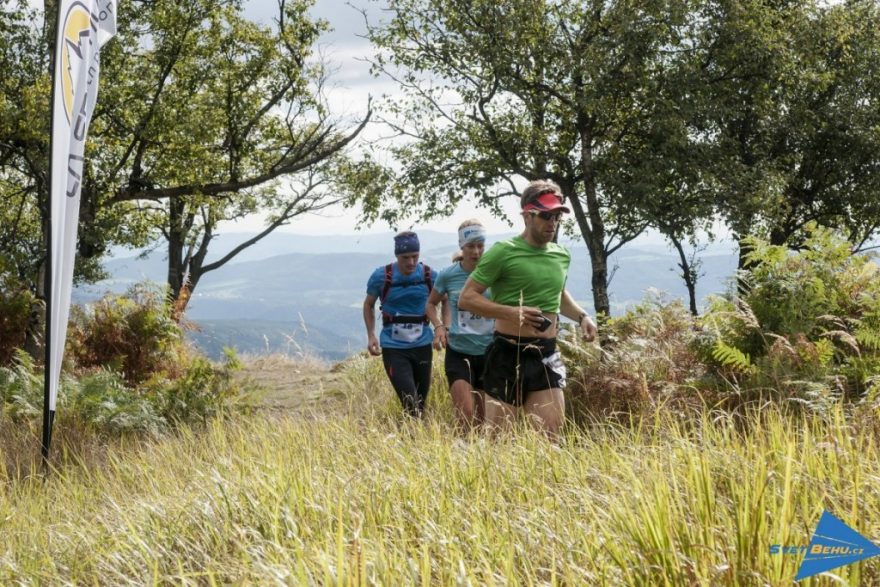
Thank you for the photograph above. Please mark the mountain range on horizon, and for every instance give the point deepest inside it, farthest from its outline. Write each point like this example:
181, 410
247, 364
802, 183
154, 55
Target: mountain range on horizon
301, 294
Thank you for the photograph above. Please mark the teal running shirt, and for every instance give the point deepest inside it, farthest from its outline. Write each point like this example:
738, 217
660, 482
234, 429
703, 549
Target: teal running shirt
469, 333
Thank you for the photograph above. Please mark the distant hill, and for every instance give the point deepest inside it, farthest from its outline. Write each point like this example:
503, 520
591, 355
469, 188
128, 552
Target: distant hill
258, 337
298, 294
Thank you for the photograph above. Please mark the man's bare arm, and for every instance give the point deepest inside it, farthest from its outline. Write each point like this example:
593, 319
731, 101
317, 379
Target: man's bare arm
572, 310
370, 323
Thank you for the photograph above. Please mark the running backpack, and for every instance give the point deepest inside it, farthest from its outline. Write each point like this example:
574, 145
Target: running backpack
386, 287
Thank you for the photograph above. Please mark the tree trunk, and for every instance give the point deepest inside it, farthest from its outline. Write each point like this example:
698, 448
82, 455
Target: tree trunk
687, 273
176, 244
191, 272
36, 330
594, 231
89, 244
779, 235
34, 338
599, 277
596, 247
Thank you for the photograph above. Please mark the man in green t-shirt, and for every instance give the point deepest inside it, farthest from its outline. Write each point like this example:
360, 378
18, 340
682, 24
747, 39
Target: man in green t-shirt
526, 276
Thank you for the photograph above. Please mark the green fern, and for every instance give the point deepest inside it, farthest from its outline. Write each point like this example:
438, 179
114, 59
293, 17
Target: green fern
825, 352
867, 331
868, 338
731, 357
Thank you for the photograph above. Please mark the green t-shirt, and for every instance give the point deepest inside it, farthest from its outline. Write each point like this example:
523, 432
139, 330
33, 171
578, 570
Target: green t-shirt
514, 267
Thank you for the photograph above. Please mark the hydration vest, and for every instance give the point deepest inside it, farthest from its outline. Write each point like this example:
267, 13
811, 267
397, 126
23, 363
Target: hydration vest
386, 287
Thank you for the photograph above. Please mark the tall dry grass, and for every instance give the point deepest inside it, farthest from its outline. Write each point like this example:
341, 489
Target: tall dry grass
368, 499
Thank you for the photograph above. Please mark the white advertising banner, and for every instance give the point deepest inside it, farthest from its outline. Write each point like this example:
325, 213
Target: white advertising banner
83, 28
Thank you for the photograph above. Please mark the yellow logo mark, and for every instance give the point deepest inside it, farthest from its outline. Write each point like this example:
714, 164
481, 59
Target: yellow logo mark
77, 32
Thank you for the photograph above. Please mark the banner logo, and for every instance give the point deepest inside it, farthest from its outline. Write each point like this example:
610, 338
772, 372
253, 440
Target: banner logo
78, 32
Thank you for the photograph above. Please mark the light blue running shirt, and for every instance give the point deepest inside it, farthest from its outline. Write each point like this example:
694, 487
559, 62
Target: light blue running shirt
469, 334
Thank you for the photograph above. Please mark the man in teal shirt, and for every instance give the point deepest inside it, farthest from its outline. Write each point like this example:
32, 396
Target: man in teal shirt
527, 275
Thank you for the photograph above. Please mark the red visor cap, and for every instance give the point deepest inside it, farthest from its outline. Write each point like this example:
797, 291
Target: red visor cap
548, 202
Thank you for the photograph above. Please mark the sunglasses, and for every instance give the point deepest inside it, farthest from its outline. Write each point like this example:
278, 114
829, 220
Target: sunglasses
548, 216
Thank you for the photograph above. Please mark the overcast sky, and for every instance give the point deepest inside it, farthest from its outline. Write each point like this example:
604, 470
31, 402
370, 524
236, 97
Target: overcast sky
345, 47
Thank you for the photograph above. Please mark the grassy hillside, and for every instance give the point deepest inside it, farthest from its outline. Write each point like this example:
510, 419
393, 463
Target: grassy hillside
333, 489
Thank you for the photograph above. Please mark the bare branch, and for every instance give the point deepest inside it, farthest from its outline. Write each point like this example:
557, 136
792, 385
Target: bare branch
310, 153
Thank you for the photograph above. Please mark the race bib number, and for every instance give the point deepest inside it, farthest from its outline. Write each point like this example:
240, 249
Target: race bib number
406, 332
469, 323
555, 364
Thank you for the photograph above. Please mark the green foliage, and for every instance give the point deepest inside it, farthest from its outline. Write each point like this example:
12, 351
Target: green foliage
211, 117
133, 334
731, 357
16, 305
806, 318
786, 108
202, 391
21, 388
806, 329
201, 115
131, 370
659, 113
24, 126
500, 91
867, 331
104, 399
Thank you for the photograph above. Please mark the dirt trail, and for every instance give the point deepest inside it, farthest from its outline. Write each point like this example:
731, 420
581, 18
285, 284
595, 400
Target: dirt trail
291, 385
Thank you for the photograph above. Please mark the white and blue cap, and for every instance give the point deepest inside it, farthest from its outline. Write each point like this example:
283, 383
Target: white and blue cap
474, 233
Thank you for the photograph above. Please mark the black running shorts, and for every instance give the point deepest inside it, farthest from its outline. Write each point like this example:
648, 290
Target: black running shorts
466, 367
517, 367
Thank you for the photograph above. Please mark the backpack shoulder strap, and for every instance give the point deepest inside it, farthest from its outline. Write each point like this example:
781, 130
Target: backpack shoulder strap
429, 279
386, 284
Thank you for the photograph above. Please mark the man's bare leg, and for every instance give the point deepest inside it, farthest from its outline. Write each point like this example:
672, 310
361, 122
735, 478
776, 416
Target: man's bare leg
500, 416
546, 410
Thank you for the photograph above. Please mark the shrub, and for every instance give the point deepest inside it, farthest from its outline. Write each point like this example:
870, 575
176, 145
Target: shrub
133, 371
648, 357
200, 392
105, 400
21, 388
134, 335
807, 325
16, 305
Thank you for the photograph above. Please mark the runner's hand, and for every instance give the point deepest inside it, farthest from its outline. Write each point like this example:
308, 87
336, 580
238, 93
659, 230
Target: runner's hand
528, 316
589, 330
440, 338
373, 346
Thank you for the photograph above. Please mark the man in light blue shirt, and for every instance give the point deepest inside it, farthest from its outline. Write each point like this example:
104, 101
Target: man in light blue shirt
405, 340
